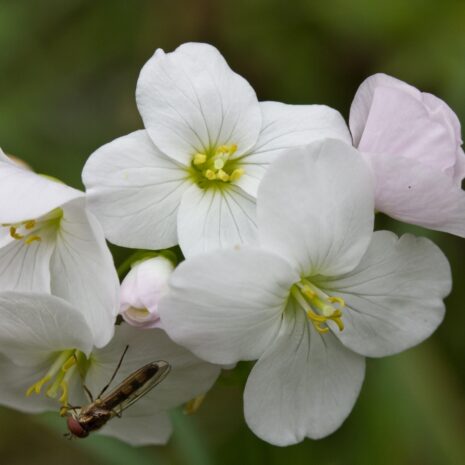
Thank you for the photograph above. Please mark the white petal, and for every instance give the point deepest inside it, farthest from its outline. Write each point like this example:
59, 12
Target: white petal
141, 429
188, 378
135, 191
15, 382
26, 267
5, 158
210, 219
394, 296
287, 126
26, 195
191, 101
315, 207
304, 385
83, 273
227, 306
36, 325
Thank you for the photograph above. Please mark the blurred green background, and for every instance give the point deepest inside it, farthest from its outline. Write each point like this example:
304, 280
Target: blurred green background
68, 70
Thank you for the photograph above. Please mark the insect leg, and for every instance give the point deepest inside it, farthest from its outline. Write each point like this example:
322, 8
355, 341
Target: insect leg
118, 414
89, 394
114, 373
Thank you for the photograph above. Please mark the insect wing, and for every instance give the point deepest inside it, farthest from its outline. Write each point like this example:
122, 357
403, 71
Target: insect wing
134, 387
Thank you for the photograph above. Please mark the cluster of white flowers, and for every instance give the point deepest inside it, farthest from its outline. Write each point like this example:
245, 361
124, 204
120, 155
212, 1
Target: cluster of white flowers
272, 206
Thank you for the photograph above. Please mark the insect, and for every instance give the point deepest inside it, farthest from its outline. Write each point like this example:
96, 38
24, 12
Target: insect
84, 420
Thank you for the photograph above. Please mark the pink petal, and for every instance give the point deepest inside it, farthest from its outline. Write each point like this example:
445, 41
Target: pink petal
416, 193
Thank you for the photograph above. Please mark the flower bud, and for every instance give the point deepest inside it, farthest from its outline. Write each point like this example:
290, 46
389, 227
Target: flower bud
142, 289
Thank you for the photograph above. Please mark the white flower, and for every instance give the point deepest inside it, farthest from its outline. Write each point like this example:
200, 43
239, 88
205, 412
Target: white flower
192, 176
142, 289
47, 351
50, 243
321, 293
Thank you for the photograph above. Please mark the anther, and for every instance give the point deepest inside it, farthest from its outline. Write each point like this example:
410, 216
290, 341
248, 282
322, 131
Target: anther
14, 234
222, 175
318, 306
199, 159
222, 149
194, 404
31, 239
29, 224
37, 387
236, 174
210, 175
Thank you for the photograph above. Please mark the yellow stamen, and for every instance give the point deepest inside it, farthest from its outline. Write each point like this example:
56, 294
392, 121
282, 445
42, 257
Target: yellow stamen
194, 404
199, 159
318, 306
319, 328
69, 363
14, 234
216, 164
61, 381
25, 234
338, 300
236, 174
210, 175
64, 410
64, 396
222, 175
61, 372
222, 149
29, 224
31, 239
37, 387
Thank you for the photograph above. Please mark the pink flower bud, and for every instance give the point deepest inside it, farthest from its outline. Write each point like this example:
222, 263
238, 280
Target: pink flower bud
412, 141
142, 289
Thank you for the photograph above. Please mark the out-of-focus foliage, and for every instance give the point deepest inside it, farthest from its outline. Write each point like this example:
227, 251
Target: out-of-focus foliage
68, 71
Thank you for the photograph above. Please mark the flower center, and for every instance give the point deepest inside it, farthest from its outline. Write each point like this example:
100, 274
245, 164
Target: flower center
319, 307
31, 231
58, 376
216, 166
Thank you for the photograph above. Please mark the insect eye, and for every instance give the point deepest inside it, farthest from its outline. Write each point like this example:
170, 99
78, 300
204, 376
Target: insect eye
75, 428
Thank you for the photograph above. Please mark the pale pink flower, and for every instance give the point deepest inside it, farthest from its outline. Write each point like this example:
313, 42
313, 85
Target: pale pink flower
412, 141
142, 289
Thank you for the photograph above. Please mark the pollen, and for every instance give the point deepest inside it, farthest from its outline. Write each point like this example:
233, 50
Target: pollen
319, 307
216, 165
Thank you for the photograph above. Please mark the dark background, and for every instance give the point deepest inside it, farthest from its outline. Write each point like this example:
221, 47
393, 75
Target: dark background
68, 70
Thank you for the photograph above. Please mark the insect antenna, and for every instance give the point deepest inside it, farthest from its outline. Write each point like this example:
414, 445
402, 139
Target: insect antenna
114, 373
